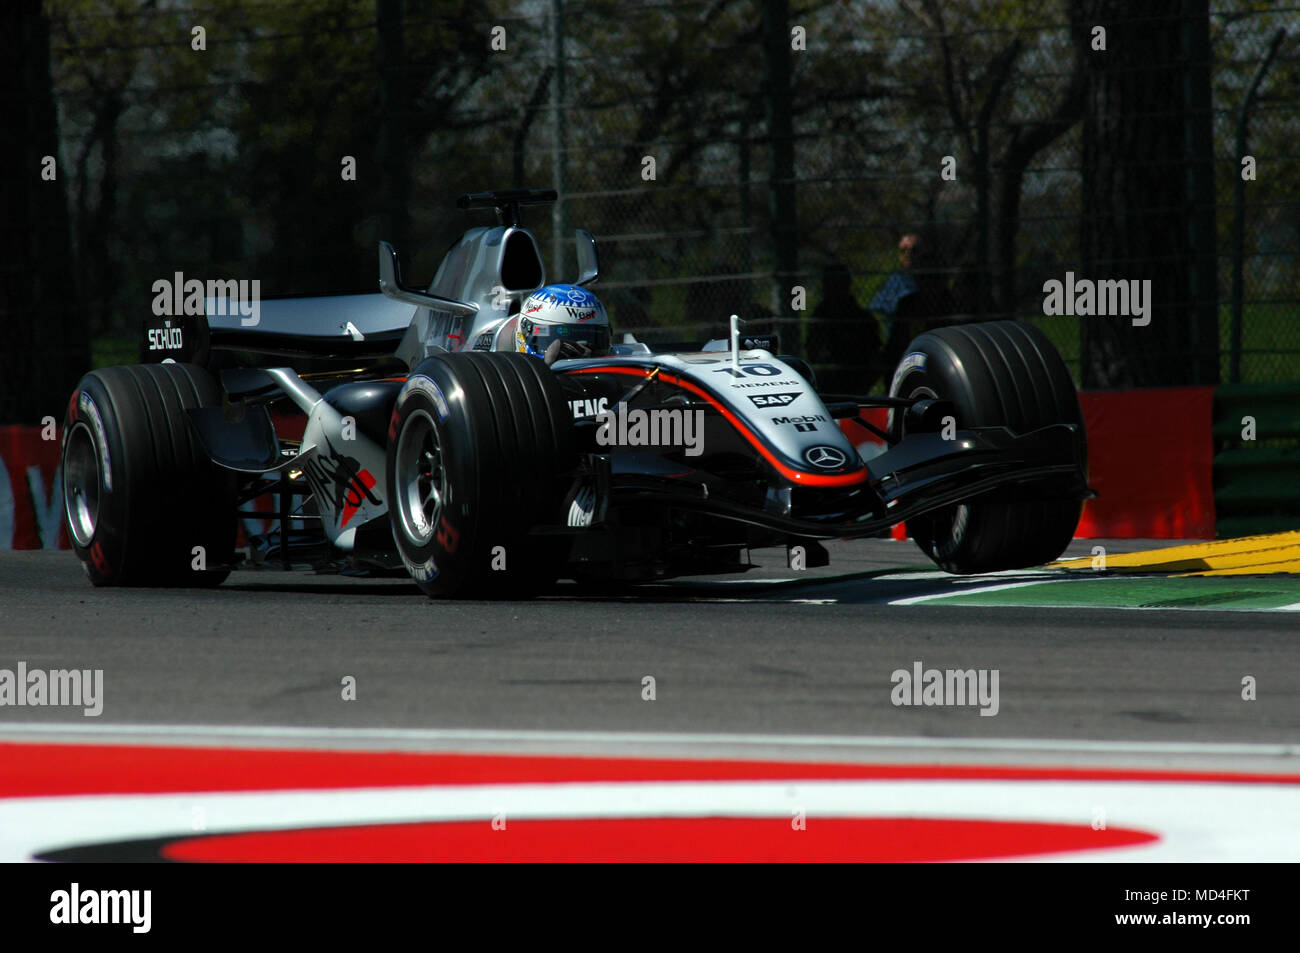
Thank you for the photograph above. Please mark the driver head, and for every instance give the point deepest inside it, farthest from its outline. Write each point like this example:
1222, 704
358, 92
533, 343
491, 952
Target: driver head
569, 314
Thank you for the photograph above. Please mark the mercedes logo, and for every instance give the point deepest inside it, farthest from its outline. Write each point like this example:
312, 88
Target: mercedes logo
825, 458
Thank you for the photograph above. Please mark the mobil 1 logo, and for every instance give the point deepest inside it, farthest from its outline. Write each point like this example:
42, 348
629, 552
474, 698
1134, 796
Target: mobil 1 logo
805, 424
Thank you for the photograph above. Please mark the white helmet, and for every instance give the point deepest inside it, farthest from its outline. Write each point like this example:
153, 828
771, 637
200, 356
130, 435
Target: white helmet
568, 318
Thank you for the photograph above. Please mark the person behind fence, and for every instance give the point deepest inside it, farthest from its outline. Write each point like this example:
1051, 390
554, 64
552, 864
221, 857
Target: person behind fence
913, 299
844, 341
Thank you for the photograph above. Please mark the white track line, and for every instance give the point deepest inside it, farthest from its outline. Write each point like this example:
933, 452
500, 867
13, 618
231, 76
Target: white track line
291, 733
964, 593
927, 575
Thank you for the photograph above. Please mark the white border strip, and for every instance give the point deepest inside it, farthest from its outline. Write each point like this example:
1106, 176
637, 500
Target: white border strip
289, 733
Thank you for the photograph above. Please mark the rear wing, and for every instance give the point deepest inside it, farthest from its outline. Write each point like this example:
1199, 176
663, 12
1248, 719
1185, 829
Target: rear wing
324, 326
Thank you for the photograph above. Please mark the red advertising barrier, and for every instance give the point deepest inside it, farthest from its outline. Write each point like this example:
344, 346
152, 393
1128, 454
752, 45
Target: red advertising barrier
1150, 458
31, 491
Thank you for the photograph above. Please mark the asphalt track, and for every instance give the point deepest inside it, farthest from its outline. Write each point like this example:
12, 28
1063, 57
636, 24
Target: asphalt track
513, 730
751, 657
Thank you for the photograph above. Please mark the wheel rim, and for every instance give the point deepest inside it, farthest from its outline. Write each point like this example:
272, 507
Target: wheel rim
81, 482
421, 479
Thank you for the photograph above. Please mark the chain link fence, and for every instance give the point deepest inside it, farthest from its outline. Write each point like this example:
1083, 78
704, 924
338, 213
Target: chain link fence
848, 173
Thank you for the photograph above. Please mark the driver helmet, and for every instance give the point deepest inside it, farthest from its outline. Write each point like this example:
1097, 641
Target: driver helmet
569, 314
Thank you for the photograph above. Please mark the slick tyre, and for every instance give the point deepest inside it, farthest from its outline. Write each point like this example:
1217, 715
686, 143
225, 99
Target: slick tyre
1001, 373
139, 491
478, 449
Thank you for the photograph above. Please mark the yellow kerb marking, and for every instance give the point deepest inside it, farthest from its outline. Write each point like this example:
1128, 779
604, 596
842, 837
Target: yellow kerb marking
1236, 556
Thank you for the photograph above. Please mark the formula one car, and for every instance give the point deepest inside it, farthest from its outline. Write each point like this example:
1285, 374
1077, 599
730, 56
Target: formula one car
413, 436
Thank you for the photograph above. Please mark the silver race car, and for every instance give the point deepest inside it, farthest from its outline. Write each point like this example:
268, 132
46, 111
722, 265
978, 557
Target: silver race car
486, 436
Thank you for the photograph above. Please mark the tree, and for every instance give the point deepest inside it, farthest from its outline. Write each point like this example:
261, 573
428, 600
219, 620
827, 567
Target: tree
975, 74
47, 347
1148, 193
331, 82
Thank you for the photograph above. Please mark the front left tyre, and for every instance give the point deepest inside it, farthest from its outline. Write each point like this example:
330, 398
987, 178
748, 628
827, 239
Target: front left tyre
143, 503
480, 449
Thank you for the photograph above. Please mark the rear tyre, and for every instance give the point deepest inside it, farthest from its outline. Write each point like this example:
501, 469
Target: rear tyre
1000, 373
139, 491
478, 449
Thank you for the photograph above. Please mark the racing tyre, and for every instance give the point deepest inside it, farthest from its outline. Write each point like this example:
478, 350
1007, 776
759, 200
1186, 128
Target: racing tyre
1000, 373
139, 491
478, 447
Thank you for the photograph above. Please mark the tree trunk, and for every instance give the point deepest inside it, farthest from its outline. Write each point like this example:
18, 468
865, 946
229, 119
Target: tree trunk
46, 346
1148, 194
780, 131
393, 146
1026, 141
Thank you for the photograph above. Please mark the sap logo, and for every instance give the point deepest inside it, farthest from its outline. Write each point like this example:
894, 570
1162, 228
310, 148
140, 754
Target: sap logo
166, 339
589, 408
772, 400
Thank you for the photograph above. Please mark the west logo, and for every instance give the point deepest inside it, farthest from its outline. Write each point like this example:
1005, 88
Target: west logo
1084, 297
772, 400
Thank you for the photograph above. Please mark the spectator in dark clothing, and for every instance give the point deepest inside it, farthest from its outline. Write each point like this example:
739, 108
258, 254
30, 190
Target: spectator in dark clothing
914, 299
844, 338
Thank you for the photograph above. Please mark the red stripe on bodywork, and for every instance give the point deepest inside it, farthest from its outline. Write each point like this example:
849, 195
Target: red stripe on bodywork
798, 476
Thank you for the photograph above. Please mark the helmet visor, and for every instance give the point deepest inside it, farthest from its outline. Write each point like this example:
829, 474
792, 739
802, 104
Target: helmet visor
538, 335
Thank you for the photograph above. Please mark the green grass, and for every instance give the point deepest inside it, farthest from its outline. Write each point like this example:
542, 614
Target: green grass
1270, 341
109, 350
